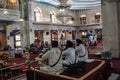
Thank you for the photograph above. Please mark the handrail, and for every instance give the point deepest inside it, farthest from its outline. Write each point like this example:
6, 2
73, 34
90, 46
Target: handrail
10, 67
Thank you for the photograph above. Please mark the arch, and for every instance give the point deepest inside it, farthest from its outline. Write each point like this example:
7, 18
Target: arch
97, 17
83, 15
83, 19
98, 13
37, 14
52, 16
37, 9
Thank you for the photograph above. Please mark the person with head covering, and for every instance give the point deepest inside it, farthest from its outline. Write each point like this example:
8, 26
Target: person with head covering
81, 51
69, 54
54, 59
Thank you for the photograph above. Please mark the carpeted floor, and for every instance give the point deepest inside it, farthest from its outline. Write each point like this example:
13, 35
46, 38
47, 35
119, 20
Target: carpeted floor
115, 64
113, 76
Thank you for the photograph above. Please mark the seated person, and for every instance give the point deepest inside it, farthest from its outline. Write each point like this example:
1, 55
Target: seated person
36, 51
3, 63
82, 53
6, 48
69, 54
47, 45
54, 59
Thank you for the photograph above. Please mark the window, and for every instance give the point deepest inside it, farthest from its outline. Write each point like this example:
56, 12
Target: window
37, 15
17, 40
2, 3
83, 19
73, 35
54, 35
2, 40
52, 17
97, 17
39, 35
65, 33
83, 33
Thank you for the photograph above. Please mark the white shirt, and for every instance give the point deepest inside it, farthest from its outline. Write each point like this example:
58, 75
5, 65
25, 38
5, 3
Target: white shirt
69, 56
52, 55
81, 50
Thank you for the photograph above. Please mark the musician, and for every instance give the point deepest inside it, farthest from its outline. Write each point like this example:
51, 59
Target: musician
54, 59
69, 54
81, 51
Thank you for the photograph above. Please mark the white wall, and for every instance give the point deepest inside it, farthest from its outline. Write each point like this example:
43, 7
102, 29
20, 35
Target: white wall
10, 28
48, 28
46, 10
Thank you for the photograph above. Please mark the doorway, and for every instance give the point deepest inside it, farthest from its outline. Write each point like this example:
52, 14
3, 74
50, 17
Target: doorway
54, 35
39, 35
2, 40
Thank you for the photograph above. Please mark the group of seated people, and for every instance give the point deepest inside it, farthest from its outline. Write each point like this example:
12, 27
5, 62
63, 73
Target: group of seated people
55, 59
38, 46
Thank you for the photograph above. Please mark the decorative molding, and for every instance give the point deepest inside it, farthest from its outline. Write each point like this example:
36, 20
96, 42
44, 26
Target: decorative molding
110, 1
9, 15
67, 25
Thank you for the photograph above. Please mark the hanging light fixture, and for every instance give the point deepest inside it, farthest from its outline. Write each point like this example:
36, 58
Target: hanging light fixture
13, 1
63, 15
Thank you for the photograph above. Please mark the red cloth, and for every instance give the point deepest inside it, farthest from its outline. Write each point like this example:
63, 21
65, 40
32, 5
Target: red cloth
18, 55
24, 67
36, 52
10, 64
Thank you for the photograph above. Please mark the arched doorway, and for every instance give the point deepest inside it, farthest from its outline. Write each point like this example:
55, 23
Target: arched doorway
54, 35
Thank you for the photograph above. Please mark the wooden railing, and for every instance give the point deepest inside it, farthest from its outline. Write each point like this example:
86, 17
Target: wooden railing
7, 72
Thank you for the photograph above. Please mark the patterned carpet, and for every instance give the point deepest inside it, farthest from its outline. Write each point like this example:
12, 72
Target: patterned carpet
92, 51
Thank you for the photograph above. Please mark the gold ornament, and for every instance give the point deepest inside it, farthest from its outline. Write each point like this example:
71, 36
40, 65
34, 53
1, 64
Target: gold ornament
13, 1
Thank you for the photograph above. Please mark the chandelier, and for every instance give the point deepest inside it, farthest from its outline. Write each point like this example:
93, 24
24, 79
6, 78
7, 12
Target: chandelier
63, 15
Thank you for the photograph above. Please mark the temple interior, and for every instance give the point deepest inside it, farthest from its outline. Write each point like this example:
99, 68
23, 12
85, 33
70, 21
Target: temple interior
28, 29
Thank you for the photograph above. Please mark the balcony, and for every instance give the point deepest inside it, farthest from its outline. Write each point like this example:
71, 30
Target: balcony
9, 15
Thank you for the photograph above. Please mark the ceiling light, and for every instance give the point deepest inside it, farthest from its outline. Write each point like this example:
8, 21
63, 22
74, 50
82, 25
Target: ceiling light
63, 15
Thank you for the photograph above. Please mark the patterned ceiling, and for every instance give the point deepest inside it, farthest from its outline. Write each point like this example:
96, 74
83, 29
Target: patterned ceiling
76, 4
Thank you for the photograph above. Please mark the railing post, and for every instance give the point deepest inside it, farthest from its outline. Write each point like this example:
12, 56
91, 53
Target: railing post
1, 75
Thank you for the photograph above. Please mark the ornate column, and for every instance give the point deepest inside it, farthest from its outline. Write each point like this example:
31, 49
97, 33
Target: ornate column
25, 30
110, 18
